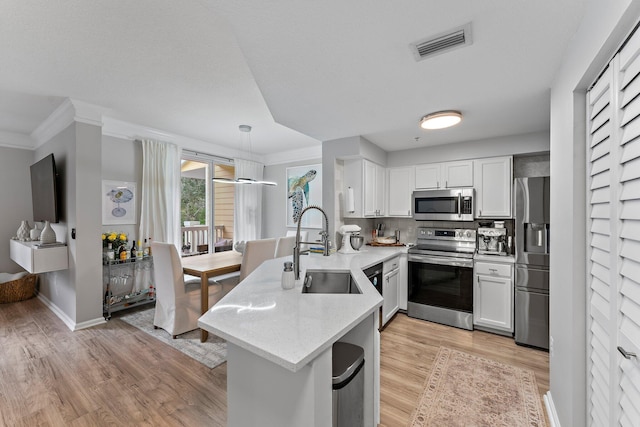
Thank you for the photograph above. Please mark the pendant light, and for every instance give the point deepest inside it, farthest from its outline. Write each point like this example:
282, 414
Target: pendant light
245, 129
441, 119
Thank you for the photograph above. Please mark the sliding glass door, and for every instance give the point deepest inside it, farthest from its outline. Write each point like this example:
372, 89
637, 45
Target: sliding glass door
206, 209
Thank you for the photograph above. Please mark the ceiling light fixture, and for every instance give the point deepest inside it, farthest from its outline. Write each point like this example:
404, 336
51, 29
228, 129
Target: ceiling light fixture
245, 129
441, 119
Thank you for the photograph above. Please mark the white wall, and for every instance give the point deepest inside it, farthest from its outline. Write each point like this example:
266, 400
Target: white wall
76, 293
122, 161
503, 146
15, 194
603, 28
274, 199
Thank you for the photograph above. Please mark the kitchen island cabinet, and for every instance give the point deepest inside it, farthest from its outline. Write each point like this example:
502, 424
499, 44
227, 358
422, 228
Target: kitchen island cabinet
279, 342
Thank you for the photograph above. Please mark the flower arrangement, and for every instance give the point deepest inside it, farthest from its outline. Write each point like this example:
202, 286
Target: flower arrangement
116, 239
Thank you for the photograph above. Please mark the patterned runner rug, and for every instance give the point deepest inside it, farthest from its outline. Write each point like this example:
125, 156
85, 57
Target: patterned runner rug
210, 353
467, 390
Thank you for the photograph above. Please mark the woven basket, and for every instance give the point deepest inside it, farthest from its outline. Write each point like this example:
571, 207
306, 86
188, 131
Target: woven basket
18, 290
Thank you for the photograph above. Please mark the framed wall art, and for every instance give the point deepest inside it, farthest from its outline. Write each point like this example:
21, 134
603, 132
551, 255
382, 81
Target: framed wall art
118, 202
304, 188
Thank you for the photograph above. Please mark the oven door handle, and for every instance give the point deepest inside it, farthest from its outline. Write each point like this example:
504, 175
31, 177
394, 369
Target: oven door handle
426, 259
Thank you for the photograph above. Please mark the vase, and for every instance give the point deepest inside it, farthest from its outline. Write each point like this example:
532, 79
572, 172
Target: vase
34, 234
23, 231
47, 235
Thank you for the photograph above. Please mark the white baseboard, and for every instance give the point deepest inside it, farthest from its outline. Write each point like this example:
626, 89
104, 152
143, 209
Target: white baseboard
66, 319
551, 410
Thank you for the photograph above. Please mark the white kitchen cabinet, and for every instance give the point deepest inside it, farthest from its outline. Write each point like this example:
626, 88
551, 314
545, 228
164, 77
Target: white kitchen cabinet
400, 186
493, 297
367, 180
403, 282
390, 271
493, 183
444, 175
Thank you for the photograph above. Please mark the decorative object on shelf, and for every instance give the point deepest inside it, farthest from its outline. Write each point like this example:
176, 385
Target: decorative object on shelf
48, 235
116, 239
34, 233
304, 188
23, 231
118, 202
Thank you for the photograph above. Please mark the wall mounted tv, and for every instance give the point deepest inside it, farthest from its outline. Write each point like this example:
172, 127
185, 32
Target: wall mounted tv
44, 190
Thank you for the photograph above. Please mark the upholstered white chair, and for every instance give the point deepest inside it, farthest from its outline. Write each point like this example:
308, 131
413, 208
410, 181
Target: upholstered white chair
177, 302
284, 246
255, 253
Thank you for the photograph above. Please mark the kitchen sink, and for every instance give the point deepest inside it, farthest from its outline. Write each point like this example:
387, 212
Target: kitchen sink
329, 282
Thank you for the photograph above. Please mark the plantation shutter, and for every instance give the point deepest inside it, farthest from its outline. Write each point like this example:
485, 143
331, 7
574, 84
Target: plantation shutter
614, 246
601, 281
629, 235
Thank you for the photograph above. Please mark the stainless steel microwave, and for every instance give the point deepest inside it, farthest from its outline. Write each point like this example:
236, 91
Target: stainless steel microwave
443, 205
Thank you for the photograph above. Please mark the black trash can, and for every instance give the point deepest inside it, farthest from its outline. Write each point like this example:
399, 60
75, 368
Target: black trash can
348, 385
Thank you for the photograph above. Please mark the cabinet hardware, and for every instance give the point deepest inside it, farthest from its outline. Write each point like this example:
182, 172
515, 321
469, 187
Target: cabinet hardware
625, 353
493, 270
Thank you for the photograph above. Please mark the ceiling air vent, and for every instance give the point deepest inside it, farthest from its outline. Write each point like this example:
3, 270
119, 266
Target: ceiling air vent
442, 42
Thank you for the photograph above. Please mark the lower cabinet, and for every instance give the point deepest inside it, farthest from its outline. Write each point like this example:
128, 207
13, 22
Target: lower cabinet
493, 297
403, 282
391, 271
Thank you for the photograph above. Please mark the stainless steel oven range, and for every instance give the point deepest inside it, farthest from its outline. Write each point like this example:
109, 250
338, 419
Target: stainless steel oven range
441, 276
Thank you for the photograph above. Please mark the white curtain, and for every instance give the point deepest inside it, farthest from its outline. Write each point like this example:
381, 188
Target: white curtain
160, 206
247, 224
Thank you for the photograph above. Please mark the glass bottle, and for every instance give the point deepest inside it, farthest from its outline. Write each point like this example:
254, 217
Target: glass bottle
134, 251
110, 253
140, 250
288, 278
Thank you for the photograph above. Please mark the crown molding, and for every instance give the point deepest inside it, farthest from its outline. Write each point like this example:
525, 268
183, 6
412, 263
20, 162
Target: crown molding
16, 140
126, 130
69, 111
300, 154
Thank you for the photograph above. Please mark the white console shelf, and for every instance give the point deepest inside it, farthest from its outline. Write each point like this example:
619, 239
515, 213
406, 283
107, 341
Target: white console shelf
35, 259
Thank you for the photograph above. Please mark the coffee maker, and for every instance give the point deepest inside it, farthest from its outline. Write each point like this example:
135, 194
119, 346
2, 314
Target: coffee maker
492, 241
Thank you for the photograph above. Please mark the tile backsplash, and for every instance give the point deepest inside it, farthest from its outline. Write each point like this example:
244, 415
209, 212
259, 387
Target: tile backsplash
408, 226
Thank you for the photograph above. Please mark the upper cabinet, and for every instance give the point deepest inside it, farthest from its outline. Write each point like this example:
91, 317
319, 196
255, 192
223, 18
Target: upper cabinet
493, 183
400, 186
368, 182
444, 175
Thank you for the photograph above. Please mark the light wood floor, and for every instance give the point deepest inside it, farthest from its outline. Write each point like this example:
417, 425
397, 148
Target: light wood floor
114, 374
409, 346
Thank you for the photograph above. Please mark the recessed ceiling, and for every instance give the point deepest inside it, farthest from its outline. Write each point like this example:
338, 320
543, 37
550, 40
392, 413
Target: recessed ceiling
298, 72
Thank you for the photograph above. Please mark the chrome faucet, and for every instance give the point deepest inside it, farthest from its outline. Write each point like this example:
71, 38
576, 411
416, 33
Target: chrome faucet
325, 240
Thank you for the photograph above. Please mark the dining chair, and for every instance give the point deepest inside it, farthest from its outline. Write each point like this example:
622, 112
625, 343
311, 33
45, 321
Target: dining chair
255, 253
177, 303
284, 246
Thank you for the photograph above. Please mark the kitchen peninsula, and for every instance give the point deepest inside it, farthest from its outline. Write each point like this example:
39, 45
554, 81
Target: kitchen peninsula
279, 342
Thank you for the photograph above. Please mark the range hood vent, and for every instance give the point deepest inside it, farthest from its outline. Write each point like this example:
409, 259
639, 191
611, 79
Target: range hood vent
443, 42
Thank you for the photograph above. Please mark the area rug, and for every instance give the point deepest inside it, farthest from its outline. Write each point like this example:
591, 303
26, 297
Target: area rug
210, 353
467, 390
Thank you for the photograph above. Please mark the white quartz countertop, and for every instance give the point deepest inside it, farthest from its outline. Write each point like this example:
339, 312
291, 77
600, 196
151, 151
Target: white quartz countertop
504, 259
288, 327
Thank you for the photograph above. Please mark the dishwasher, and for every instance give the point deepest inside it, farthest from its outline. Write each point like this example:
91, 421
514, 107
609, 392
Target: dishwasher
374, 274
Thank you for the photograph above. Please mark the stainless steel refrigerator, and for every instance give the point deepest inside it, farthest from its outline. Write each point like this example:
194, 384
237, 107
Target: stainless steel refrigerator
531, 205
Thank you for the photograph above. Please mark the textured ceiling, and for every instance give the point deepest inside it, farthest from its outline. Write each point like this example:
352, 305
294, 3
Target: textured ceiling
299, 72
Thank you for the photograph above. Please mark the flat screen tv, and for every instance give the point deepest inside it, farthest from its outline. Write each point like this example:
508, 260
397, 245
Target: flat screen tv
44, 190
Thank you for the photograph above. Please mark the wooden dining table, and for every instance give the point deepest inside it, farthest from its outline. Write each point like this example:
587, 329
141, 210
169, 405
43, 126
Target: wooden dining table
206, 266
